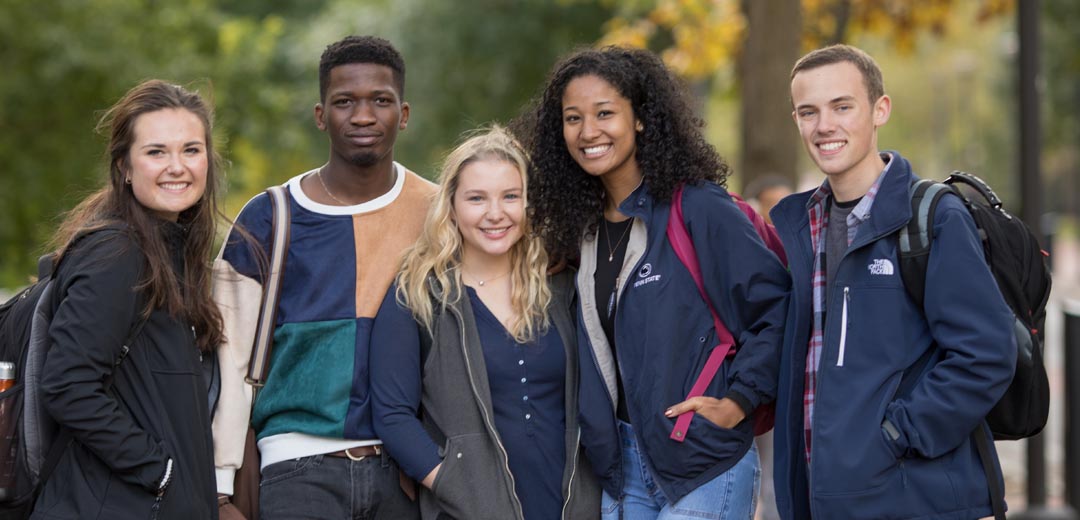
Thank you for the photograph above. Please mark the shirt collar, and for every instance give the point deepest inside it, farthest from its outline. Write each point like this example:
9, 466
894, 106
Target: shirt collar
861, 211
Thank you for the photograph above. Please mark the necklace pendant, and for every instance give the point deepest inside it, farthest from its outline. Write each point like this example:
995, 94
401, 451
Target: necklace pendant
481, 283
611, 258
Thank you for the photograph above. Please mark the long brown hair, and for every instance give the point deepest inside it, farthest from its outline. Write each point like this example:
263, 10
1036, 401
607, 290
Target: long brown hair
186, 297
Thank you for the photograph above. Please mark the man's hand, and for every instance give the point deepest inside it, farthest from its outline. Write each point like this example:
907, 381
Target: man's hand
724, 413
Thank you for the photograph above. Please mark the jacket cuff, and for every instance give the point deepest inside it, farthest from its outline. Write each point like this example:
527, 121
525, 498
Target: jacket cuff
225, 478
741, 400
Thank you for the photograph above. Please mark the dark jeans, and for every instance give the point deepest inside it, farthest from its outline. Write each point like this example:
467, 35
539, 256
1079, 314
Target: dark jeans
321, 487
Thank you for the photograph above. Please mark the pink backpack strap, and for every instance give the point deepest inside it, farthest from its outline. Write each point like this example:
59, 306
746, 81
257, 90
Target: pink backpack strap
684, 249
764, 230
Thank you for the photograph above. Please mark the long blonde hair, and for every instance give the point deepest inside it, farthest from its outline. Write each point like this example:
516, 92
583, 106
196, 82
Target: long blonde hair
437, 253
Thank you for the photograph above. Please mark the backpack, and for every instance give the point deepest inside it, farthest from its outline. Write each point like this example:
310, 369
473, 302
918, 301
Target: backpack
765, 414
31, 442
1018, 267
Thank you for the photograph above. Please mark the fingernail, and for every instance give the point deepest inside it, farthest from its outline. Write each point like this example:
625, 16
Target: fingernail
667, 412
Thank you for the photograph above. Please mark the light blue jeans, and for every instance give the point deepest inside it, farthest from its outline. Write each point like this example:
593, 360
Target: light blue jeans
731, 495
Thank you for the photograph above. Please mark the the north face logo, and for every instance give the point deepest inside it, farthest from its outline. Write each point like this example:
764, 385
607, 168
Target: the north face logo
882, 266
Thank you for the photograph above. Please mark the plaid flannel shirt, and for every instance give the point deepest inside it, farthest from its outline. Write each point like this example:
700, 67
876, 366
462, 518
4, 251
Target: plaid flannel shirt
818, 206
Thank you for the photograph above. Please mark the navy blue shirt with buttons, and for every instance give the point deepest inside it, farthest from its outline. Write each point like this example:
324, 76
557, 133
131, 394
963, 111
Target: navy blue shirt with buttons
528, 391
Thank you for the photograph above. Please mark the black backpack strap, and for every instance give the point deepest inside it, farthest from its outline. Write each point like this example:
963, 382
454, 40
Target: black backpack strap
997, 494
915, 237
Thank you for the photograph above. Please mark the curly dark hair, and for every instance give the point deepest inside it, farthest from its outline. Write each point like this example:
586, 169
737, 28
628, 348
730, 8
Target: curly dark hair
565, 202
361, 49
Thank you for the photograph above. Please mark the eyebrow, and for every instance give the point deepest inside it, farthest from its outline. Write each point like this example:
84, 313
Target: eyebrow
162, 145
832, 101
351, 94
598, 103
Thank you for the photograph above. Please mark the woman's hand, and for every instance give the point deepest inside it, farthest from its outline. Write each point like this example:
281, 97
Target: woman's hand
724, 413
429, 480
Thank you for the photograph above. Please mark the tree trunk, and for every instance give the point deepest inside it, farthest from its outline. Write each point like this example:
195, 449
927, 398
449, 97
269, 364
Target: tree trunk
770, 144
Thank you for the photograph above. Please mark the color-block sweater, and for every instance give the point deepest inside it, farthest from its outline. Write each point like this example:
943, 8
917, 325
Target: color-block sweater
341, 261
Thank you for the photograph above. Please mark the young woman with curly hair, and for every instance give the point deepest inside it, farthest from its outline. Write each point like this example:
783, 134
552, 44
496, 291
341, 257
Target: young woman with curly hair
479, 338
612, 137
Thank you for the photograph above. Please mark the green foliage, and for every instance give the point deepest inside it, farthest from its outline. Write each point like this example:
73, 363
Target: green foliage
67, 60
63, 61
1061, 127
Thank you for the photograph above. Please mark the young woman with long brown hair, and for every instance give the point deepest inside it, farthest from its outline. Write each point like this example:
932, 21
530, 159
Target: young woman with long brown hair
133, 318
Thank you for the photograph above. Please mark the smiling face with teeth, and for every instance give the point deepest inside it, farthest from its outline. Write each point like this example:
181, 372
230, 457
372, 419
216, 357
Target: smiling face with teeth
489, 210
838, 122
599, 127
167, 162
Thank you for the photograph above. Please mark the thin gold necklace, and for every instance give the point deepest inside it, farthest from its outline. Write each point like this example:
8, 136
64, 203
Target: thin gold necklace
327, 190
482, 282
607, 233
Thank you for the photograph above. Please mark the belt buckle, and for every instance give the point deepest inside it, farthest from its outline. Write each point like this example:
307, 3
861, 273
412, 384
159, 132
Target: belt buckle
355, 458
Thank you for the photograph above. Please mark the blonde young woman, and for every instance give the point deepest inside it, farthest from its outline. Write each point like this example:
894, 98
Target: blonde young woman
476, 336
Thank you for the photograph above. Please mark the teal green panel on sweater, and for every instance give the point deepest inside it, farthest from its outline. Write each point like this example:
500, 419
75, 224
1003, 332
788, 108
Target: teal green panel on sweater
307, 389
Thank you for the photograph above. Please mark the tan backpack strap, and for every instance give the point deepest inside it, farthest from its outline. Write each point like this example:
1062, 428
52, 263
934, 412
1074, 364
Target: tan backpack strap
264, 332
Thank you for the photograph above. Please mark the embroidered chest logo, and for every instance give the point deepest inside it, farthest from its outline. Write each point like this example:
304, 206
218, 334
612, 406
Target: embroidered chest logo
645, 276
881, 267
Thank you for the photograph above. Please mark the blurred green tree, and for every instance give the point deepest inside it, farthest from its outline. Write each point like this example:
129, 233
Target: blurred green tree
65, 62
468, 63
1061, 115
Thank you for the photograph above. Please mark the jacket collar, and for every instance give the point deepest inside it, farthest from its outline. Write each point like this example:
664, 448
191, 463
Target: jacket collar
891, 209
892, 206
639, 204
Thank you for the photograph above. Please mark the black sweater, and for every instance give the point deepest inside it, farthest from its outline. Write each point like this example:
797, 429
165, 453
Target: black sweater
156, 409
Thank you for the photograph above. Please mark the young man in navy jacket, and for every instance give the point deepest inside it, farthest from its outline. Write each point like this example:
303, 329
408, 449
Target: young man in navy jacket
878, 399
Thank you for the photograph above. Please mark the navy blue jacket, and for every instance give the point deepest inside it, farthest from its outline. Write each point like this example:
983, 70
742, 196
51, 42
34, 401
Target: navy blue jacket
858, 470
664, 333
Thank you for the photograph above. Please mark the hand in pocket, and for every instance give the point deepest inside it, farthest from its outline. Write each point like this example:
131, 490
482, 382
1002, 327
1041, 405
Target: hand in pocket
724, 413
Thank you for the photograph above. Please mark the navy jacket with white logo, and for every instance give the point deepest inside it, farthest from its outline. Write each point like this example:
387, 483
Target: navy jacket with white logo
664, 333
927, 466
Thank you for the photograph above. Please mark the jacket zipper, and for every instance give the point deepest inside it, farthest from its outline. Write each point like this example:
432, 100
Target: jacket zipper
156, 509
487, 420
570, 483
843, 328
817, 392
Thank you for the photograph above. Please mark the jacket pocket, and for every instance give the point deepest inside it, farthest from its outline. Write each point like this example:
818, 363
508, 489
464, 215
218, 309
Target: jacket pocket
470, 480
287, 469
706, 445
